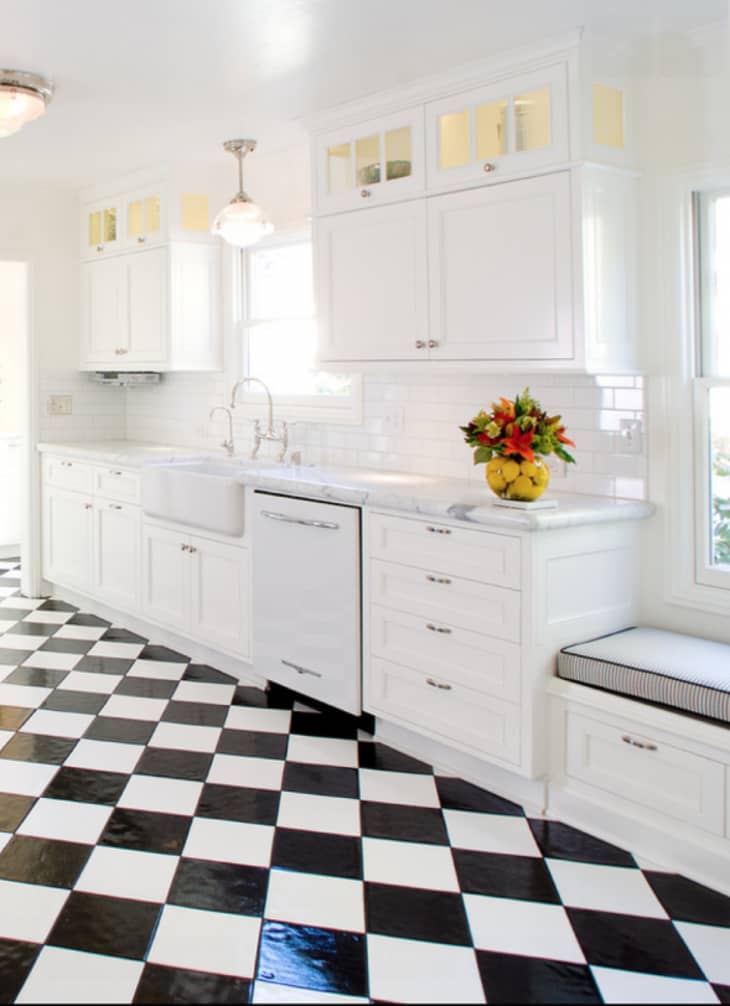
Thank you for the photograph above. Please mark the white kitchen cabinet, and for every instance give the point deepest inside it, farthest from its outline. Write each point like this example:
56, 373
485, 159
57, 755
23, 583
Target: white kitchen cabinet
147, 304
100, 228
372, 284
165, 576
104, 311
116, 551
144, 212
220, 595
68, 525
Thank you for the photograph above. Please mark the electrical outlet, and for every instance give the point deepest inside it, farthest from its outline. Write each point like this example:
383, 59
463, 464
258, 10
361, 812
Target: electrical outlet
393, 419
629, 431
60, 405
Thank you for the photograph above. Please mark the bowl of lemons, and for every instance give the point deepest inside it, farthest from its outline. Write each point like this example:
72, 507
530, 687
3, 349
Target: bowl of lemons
515, 479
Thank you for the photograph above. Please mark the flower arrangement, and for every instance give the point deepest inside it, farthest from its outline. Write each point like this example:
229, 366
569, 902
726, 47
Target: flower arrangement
512, 440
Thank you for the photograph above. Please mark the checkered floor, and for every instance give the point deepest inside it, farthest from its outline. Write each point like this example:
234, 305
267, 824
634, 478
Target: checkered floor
168, 836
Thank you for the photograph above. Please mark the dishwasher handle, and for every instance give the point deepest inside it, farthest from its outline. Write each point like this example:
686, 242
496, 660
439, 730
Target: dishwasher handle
324, 524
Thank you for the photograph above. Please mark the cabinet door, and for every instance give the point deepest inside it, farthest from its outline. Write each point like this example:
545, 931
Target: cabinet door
372, 284
116, 554
501, 272
104, 312
101, 228
144, 218
147, 286
67, 538
220, 579
195, 316
166, 577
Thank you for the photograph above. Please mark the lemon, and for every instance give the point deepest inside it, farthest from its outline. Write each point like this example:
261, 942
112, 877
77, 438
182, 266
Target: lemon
510, 471
522, 488
496, 482
542, 475
495, 464
529, 469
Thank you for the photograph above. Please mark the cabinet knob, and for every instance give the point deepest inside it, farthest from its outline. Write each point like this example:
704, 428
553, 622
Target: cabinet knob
432, 343
365, 193
420, 344
184, 548
100, 248
88, 506
141, 240
489, 167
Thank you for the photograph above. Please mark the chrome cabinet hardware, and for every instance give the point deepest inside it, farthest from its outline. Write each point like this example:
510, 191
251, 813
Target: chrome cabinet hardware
67, 464
115, 506
437, 579
437, 684
141, 240
116, 473
489, 167
439, 628
185, 548
100, 248
365, 193
433, 343
643, 745
438, 530
285, 519
420, 344
88, 506
192, 548
121, 352
301, 670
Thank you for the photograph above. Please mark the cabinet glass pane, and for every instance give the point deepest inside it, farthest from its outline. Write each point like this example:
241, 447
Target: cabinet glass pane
110, 225
194, 212
454, 140
151, 214
95, 227
367, 160
491, 130
532, 119
134, 218
608, 116
398, 153
339, 169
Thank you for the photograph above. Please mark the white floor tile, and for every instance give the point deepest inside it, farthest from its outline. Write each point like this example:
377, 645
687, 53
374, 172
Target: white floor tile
16, 641
125, 651
53, 724
412, 971
268, 721
229, 842
5, 837
70, 976
47, 618
28, 911
310, 812
634, 987
398, 787
314, 900
527, 928
88, 681
268, 992
66, 820
183, 737
127, 873
105, 756
25, 778
710, 946
53, 661
6, 625
25, 696
6, 591
497, 833
165, 796
409, 864
258, 773
5, 736
87, 632
206, 941
132, 707
200, 691
22, 603
323, 751
161, 670
605, 888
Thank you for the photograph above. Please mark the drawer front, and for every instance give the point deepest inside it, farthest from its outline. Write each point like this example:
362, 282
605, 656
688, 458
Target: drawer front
64, 473
445, 711
117, 484
475, 555
647, 772
492, 611
478, 662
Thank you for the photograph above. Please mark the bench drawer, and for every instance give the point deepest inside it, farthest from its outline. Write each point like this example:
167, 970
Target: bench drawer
475, 555
63, 473
117, 484
646, 771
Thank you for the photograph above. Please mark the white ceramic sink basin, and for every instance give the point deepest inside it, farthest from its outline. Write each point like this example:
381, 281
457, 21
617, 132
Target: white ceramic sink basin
202, 494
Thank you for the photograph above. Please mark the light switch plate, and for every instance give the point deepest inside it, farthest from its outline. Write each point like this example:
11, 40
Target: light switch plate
60, 405
630, 436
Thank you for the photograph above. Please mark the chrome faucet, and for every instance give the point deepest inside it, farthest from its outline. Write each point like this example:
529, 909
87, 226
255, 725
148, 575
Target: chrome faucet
227, 445
269, 433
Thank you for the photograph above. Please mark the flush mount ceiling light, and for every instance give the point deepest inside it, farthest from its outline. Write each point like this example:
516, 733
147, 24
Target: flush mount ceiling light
23, 97
241, 223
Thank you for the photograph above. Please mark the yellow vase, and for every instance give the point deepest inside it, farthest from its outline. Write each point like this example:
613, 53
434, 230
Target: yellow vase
512, 478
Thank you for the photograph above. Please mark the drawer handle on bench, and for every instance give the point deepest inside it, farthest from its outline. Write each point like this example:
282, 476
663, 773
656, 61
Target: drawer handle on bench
437, 684
638, 744
438, 628
438, 530
437, 579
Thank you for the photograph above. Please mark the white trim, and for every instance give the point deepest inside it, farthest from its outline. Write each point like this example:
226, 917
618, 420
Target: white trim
705, 572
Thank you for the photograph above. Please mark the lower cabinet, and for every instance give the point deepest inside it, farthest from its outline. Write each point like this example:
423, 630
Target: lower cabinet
68, 531
116, 551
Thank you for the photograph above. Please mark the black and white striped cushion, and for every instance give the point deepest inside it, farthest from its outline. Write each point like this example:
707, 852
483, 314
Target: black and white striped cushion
668, 668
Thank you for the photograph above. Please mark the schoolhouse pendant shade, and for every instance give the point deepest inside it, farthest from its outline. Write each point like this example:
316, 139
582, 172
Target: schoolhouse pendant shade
241, 223
23, 98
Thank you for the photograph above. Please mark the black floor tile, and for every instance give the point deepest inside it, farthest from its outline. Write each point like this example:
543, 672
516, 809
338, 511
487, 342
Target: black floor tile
411, 914
87, 786
54, 605
80, 646
722, 992
34, 629
324, 780
38, 677
146, 831
317, 725
13, 809
97, 924
111, 728
250, 743
42, 861
560, 841
160, 984
375, 755
405, 824
208, 675
237, 803
316, 852
273, 698
306, 957
508, 979
75, 702
197, 714
147, 688
38, 747
455, 794
220, 887
14, 658
151, 652
13, 717
104, 665
92, 621
525, 878
116, 635
686, 901
175, 764
16, 960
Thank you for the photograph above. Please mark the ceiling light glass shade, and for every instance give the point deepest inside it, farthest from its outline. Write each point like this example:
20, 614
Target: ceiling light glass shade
23, 98
241, 223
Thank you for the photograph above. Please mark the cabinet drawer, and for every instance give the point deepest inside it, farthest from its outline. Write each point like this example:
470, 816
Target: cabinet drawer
65, 474
447, 711
117, 484
476, 555
645, 771
478, 662
492, 611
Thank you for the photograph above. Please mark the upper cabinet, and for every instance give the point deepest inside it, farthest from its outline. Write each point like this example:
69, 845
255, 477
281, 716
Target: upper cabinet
144, 215
100, 231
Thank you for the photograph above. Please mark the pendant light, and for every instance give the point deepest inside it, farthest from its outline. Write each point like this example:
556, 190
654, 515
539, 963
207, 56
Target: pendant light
241, 223
23, 98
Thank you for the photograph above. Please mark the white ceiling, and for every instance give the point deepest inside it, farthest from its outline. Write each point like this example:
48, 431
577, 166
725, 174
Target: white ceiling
142, 81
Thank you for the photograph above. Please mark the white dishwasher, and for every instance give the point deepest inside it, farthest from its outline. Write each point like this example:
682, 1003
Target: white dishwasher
306, 597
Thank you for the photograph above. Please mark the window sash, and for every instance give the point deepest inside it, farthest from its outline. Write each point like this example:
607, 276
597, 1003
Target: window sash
706, 573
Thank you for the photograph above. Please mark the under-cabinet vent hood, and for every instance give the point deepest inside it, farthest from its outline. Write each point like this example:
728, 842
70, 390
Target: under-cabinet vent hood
124, 379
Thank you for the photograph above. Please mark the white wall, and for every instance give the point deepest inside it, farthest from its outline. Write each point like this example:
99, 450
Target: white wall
13, 325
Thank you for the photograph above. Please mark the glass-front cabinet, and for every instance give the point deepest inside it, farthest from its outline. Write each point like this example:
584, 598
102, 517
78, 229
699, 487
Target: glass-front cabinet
100, 228
376, 162
144, 222
515, 125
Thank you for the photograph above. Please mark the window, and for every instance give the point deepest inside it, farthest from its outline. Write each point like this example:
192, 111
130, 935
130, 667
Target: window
280, 333
712, 389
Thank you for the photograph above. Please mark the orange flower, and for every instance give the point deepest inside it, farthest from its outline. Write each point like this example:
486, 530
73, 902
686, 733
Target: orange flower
560, 434
520, 443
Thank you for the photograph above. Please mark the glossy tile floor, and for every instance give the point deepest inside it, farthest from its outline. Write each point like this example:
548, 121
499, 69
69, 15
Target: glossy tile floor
167, 836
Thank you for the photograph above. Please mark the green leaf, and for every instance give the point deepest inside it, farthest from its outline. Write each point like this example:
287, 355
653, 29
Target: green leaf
482, 454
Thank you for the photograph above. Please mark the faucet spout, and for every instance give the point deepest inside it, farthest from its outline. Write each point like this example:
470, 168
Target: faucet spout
270, 404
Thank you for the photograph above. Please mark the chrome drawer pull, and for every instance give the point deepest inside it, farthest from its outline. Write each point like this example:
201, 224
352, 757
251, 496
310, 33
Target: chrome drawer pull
324, 524
116, 473
437, 579
115, 506
438, 530
301, 670
437, 684
638, 744
439, 628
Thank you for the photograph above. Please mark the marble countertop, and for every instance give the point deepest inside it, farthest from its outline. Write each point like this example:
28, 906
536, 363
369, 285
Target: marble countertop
450, 499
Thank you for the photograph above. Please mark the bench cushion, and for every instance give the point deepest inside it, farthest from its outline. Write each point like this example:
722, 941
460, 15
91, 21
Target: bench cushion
674, 670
